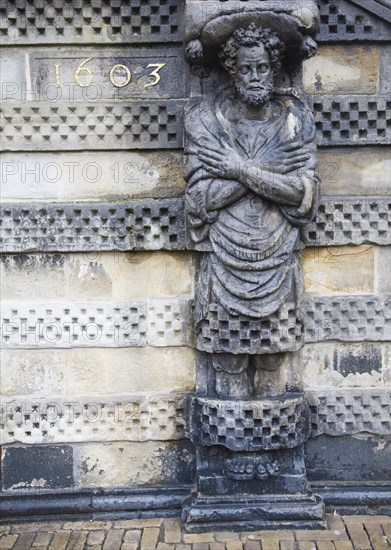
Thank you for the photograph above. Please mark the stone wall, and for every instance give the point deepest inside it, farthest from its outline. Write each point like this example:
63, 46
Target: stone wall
97, 278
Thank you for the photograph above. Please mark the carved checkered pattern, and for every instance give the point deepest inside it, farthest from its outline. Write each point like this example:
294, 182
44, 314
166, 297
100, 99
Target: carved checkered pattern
224, 332
59, 21
130, 418
342, 21
148, 225
249, 425
167, 322
341, 412
352, 120
350, 221
347, 318
146, 125
87, 324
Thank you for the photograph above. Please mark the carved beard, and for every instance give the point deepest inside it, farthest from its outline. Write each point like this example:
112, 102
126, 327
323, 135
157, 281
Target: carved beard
257, 97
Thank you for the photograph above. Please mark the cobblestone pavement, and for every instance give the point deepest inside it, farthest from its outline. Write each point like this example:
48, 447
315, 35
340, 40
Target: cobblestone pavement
343, 533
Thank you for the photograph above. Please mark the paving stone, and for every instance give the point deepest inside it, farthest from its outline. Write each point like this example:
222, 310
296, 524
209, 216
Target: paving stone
386, 525
200, 546
24, 542
270, 544
132, 536
96, 537
271, 535
60, 540
49, 527
129, 546
288, 545
137, 523
234, 545
201, 537
358, 536
172, 531
77, 540
320, 535
252, 545
221, 546
165, 546
7, 541
343, 545
379, 543
42, 539
325, 545
335, 523
150, 538
113, 539
305, 545
225, 536
4, 529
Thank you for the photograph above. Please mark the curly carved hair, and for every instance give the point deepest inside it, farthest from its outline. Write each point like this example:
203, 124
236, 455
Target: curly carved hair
252, 36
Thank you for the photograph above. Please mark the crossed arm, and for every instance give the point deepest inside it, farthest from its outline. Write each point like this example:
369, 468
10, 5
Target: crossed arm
278, 179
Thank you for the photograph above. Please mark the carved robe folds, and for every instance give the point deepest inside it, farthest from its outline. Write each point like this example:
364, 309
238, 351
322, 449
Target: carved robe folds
250, 283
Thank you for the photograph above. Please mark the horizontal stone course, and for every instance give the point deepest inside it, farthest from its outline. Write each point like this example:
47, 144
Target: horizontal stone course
163, 417
104, 21
162, 322
160, 224
152, 124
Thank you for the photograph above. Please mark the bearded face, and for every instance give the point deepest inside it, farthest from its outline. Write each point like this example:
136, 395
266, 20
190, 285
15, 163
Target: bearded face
254, 76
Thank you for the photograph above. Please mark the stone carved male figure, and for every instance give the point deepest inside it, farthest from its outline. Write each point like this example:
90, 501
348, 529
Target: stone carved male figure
251, 173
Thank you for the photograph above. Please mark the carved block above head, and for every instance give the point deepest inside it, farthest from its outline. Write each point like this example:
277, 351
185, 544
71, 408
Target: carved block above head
208, 25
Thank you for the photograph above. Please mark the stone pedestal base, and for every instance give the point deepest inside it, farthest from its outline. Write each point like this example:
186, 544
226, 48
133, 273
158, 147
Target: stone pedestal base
242, 512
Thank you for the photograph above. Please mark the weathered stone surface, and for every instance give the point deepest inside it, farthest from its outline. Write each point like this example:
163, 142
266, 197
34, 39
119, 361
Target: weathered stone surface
249, 425
91, 176
152, 124
383, 270
350, 172
332, 365
93, 324
74, 372
159, 224
95, 275
346, 269
13, 75
349, 411
157, 21
347, 69
348, 458
126, 464
347, 319
346, 21
46, 467
158, 417
348, 120
350, 221
148, 225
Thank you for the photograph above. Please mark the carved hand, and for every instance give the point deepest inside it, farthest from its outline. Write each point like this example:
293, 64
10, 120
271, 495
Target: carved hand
223, 163
287, 158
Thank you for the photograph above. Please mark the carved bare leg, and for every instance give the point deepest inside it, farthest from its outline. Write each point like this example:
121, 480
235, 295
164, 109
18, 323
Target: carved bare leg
231, 375
270, 374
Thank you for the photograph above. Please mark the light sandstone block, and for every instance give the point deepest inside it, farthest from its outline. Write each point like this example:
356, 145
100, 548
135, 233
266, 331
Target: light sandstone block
125, 463
96, 275
97, 371
339, 270
383, 270
332, 365
342, 70
353, 172
91, 176
14, 77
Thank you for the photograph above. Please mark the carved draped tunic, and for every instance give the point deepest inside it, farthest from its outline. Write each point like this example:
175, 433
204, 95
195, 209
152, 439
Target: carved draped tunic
252, 267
